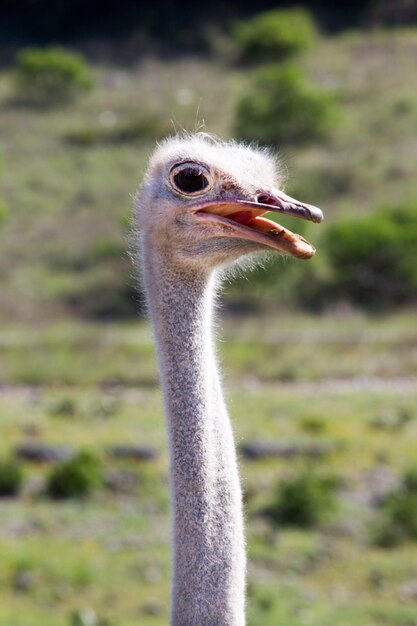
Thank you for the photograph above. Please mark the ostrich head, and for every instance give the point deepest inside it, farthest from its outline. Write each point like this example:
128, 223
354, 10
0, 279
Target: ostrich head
203, 201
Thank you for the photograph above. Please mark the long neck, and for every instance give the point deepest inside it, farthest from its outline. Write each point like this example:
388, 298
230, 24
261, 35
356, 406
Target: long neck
209, 555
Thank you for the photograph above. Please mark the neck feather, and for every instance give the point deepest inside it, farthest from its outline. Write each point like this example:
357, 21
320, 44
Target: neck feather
209, 557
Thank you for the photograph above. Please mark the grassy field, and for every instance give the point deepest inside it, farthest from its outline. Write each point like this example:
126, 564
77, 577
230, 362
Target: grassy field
342, 382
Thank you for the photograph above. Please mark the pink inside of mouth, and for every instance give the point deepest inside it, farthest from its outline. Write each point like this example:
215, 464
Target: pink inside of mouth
242, 217
248, 219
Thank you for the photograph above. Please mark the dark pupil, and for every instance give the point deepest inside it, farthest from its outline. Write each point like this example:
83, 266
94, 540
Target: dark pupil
190, 179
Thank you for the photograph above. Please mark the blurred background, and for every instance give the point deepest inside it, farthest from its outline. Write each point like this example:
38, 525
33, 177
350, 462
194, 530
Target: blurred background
320, 358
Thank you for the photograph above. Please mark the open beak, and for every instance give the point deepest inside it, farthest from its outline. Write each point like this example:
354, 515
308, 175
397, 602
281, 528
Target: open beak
242, 219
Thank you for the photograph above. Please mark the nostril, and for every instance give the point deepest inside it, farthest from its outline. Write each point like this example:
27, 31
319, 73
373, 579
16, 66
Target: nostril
265, 198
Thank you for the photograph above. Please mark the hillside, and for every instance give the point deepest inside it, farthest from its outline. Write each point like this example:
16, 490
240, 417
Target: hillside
67, 175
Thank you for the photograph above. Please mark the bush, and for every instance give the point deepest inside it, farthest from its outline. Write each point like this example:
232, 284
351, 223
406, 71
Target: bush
398, 519
64, 407
274, 35
104, 292
374, 258
282, 107
392, 420
304, 500
11, 478
50, 75
410, 482
104, 295
313, 424
76, 478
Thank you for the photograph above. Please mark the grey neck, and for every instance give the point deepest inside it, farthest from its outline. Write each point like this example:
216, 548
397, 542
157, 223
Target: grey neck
209, 555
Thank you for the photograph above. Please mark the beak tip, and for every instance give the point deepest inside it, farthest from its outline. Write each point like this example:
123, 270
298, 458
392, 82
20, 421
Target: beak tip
319, 217
316, 214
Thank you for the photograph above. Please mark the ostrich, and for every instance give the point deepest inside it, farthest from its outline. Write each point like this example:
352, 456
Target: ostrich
197, 212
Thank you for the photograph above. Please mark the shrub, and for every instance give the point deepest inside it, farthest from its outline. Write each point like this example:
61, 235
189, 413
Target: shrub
283, 107
63, 407
100, 293
398, 518
391, 419
11, 478
410, 481
50, 75
76, 478
313, 424
303, 500
108, 298
274, 35
374, 258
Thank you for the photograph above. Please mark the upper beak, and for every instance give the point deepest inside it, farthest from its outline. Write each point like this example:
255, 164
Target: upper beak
242, 218
280, 202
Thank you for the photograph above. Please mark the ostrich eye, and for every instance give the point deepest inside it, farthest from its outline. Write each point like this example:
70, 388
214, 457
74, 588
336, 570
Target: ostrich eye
190, 180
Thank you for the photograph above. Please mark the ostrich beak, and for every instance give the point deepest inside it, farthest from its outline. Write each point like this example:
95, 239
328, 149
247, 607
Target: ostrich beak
242, 219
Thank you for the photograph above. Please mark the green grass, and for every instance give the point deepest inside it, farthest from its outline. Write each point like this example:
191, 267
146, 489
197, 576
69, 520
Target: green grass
111, 553
286, 348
